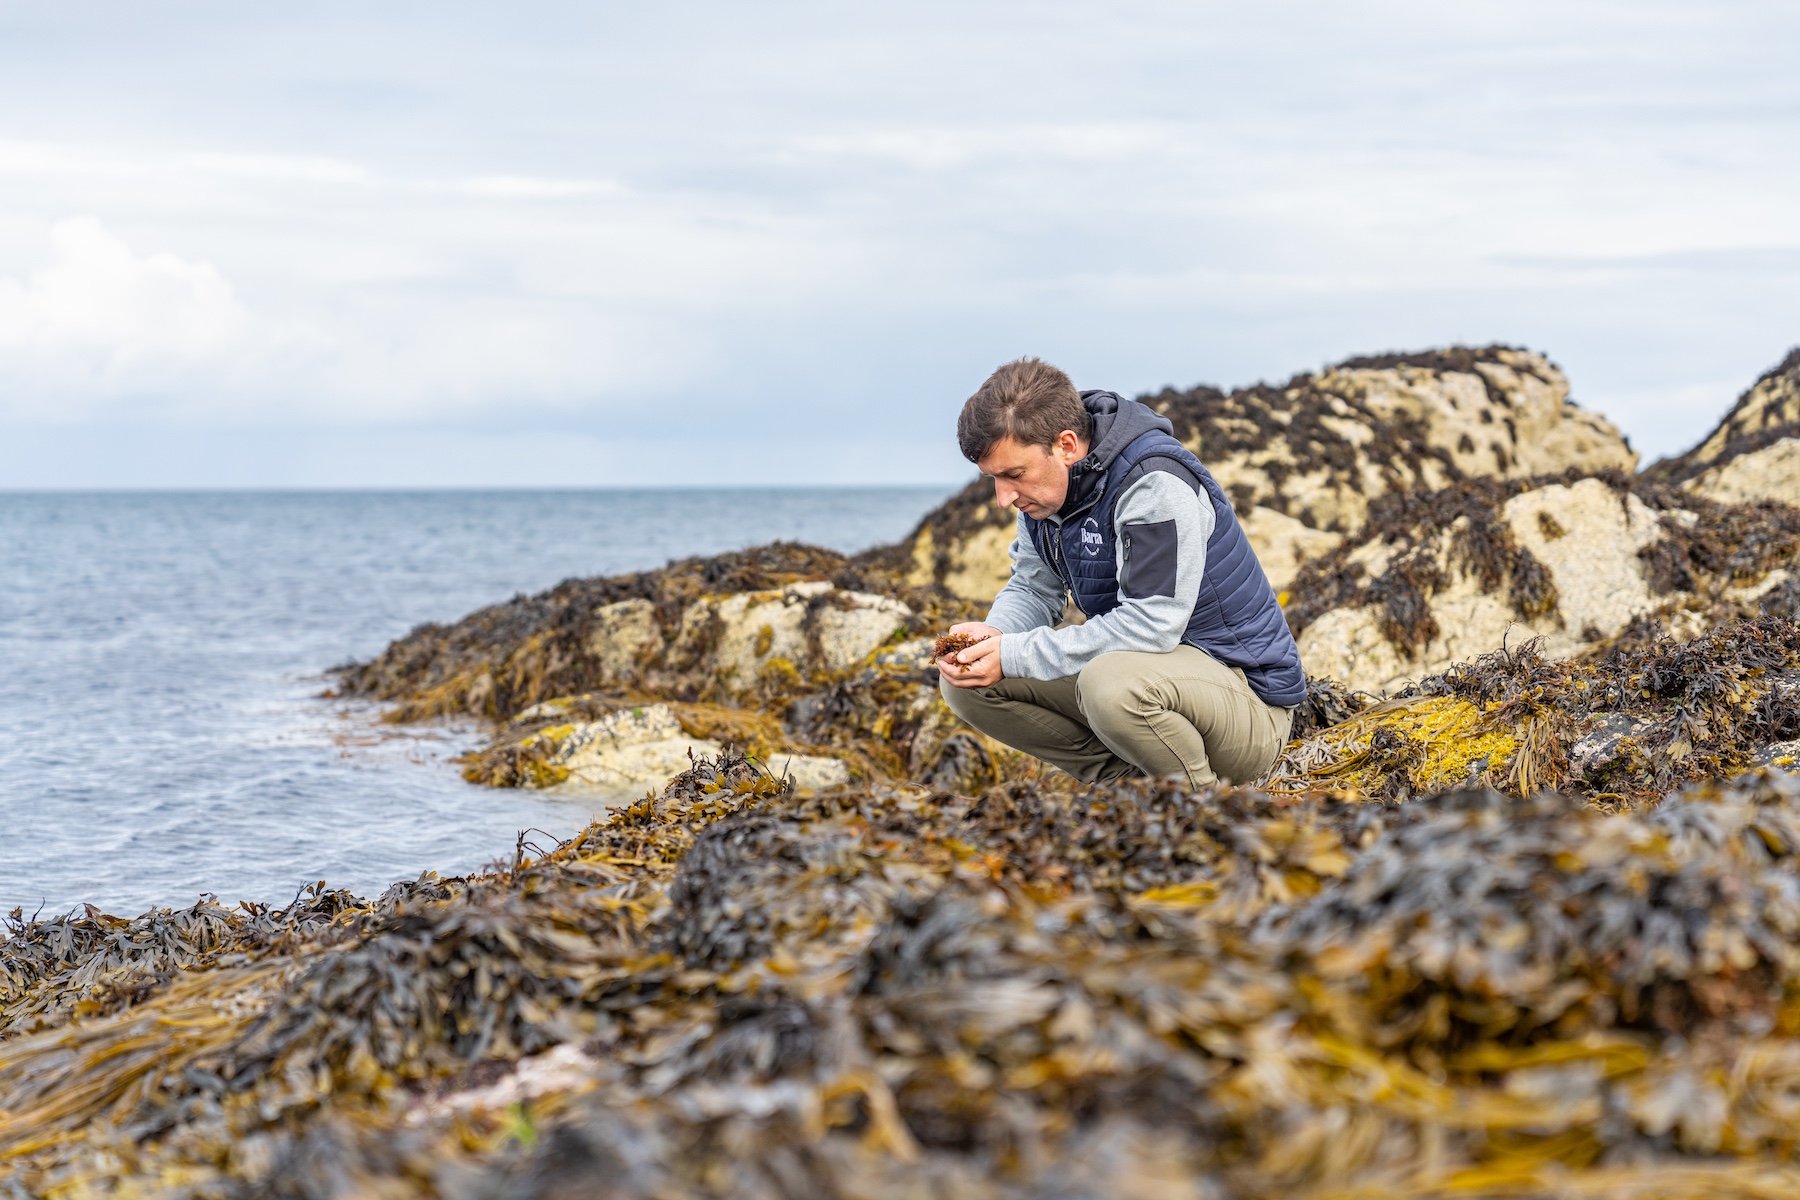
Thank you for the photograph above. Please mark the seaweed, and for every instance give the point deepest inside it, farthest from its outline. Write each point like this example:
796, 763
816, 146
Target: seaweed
1626, 726
950, 643
1705, 541
1038, 988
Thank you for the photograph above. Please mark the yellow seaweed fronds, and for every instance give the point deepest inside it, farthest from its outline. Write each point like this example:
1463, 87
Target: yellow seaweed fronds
1411, 746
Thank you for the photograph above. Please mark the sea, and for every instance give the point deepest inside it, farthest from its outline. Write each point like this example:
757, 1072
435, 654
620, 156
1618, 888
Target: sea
163, 656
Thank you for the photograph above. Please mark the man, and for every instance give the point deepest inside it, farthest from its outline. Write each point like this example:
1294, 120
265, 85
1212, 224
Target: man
1185, 665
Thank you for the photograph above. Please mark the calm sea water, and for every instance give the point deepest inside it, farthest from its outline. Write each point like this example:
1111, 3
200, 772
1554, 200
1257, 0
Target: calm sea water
161, 655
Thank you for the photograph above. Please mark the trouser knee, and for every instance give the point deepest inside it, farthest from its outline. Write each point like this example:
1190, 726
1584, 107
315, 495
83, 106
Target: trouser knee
969, 704
1112, 700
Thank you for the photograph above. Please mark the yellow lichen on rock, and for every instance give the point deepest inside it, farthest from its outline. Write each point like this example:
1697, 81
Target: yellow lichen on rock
1400, 748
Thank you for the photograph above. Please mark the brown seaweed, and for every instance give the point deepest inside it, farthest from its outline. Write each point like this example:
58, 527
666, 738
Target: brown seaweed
728, 990
950, 643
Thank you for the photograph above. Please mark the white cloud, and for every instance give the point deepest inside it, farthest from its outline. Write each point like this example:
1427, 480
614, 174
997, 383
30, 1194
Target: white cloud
101, 301
942, 149
526, 187
596, 218
291, 168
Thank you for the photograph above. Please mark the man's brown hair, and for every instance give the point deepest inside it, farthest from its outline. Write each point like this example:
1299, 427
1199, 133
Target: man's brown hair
1026, 399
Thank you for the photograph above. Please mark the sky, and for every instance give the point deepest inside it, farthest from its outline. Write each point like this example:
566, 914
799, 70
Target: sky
576, 244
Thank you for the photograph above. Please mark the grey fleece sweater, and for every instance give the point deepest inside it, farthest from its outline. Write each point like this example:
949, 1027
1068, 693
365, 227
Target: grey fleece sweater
1027, 609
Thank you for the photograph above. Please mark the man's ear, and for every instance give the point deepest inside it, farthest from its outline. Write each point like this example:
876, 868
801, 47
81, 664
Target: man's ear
1068, 448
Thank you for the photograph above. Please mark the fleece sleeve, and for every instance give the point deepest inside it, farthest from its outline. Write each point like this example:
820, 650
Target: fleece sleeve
1161, 528
1033, 595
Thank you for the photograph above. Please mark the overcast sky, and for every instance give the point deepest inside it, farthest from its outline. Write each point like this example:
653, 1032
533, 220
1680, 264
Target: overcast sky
553, 244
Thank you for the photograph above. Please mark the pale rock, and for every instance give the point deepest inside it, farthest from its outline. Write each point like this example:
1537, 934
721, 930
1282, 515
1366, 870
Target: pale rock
810, 773
1765, 415
1594, 563
1783, 756
1751, 593
1282, 543
1772, 473
629, 752
852, 630
1600, 581
622, 634
974, 565
752, 629
564, 1070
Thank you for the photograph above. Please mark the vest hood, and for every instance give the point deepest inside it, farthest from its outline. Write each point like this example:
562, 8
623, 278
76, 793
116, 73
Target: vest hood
1116, 423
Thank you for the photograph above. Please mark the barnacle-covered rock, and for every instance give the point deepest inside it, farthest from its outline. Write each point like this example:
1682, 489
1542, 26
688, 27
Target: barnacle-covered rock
623, 753
630, 750
622, 637
1453, 575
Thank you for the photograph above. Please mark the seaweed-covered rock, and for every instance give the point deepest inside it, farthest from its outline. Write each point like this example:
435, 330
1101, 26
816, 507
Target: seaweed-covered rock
737, 637
1582, 563
1561, 562
1623, 728
658, 635
1396, 548
1764, 417
1302, 461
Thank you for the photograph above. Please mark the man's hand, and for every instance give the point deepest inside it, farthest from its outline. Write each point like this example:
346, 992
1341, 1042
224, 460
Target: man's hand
978, 665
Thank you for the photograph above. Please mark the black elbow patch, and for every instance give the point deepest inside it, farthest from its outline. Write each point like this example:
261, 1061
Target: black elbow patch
1150, 559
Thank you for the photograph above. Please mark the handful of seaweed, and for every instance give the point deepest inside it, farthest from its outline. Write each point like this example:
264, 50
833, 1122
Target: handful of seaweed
949, 643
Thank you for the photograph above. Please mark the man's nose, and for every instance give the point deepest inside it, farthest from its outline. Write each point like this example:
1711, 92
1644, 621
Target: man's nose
1004, 495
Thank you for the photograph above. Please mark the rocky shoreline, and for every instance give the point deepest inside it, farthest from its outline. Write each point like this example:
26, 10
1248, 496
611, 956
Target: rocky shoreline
1516, 913
1414, 511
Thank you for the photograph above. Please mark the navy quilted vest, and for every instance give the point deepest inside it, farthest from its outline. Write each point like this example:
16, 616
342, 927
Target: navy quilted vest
1236, 618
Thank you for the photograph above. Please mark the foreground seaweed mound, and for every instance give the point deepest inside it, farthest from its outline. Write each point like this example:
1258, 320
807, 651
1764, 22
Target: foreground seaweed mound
730, 990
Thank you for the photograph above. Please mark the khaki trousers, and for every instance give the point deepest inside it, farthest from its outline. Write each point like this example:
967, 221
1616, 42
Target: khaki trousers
1181, 713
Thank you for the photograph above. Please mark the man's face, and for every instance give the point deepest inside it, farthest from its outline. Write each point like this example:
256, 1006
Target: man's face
1032, 479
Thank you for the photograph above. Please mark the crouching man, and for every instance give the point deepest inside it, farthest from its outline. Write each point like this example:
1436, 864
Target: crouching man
1185, 665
